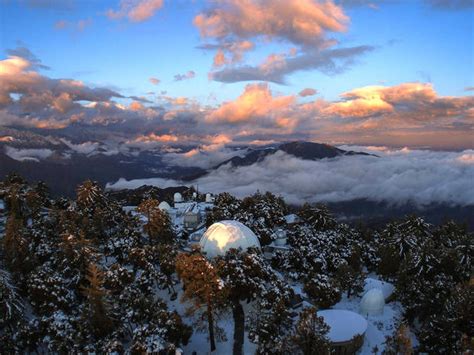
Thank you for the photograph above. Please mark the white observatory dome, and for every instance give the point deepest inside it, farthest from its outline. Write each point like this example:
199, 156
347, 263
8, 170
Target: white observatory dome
164, 206
178, 197
209, 198
372, 303
225, 235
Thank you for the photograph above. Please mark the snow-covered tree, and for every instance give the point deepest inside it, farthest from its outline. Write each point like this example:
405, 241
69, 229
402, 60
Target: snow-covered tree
400, 342
309, 335
225, 207
318, 216
270, 323
11, 311
399, 239
322, 290
90, 195
444, 331
97, 313
245, 275
203, 289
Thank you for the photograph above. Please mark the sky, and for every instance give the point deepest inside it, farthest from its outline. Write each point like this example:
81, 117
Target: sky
153, 72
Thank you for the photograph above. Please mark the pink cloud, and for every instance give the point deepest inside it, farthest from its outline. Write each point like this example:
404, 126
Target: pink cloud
256, 102
189, 75
299, 21
136, 10
307, 92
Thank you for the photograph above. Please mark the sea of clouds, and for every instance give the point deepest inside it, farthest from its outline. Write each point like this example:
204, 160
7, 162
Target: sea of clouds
395, 176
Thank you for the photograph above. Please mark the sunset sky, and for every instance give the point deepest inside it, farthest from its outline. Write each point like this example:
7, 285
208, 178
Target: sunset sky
146, 72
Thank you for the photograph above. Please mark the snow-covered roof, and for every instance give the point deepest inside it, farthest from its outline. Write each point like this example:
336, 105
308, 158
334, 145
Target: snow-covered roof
344, 325
372, 303
386, 287
292, 218
164, 206
193, 208
225, 235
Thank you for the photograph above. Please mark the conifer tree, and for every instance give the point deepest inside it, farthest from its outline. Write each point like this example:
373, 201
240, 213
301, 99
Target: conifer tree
158, 226
203, 288
147, 207
245, 275
97, 310
309, 335
317, 216
14, 244
89, 195
400, 343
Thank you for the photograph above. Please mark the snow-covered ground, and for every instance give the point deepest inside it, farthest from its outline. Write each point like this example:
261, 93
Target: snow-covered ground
199, 341
378, 328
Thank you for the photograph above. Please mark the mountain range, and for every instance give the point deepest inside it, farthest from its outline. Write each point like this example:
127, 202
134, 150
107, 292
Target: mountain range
63, 164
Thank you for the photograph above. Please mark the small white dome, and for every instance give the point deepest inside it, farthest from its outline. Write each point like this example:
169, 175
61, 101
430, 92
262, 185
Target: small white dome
164, 206
178, 197
372, 303
209, 198
344, 325
225, 235
280, 237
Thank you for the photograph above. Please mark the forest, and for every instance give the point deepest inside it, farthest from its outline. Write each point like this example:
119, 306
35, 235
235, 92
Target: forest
85, 275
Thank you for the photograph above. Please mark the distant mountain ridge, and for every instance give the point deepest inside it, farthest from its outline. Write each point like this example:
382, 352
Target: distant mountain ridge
63, 164
298, 149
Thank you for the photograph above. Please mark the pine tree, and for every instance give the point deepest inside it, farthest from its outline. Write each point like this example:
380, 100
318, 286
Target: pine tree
400, 343
147, 207
97, 312
444, 330
203, 288
309, 335
244, 275
225, 207
271, 322
158, 226
14, 244
317, 216
11, 312
90, 195
350, 279
323, 290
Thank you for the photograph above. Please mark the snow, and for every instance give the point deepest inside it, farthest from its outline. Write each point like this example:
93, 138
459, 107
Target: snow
386, 287
292, 218
379, 327
199, 341
225, 235
344, 325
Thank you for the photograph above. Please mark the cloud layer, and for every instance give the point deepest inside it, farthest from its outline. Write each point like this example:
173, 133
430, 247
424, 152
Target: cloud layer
411, 114
398, 177
235, 27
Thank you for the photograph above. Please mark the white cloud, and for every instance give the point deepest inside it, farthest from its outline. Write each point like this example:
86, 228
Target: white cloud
203, 157
82, 148
397, 176
28, 154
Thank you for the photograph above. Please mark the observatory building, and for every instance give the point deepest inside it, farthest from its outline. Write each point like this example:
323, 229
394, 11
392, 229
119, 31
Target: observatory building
225, 235
372, 303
